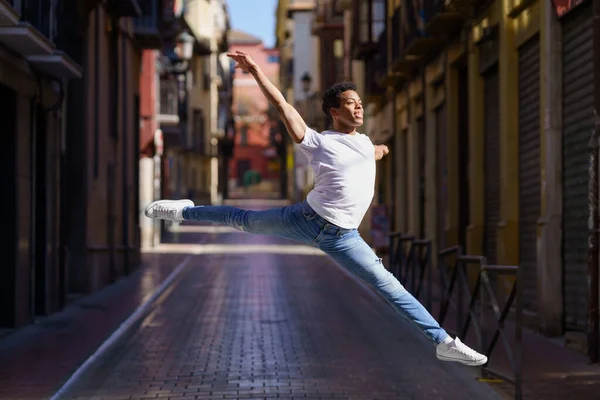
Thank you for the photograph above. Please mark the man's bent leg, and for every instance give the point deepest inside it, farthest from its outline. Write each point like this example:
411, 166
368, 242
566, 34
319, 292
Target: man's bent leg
355, 255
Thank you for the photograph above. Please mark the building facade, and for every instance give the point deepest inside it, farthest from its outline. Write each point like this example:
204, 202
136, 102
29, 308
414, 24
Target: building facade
68, 77
256, 163
186, 87
488, 109
300, 77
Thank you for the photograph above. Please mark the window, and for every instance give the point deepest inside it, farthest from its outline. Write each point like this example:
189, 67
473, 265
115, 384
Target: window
244, 136
242, 108
371, 20
273, 58
198, 130
378, 18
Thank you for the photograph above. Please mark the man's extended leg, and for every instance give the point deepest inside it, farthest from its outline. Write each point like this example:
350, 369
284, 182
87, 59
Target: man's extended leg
357, 257
284, 222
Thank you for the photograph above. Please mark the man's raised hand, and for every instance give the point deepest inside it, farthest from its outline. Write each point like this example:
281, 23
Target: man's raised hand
244, 61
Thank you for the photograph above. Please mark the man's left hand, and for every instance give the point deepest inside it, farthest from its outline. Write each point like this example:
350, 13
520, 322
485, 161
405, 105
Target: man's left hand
380, 151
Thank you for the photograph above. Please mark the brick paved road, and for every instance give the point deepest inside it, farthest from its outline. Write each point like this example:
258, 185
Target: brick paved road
252, 325
36, 360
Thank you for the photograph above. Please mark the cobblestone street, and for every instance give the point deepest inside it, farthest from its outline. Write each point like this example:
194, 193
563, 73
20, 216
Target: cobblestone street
256, 317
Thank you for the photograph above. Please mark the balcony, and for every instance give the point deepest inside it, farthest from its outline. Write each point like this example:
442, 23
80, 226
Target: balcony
374, 91
369, 20
327, 16
413, 31
168, 108
147, 25
25, 40
401, 66
441, 21
9, 16
417, 42
380, 59
34, 33
125, 8
57, 64
31, 28
462, 4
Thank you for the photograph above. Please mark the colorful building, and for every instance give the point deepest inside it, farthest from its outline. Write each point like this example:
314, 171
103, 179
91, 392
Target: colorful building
256, 161
186, 89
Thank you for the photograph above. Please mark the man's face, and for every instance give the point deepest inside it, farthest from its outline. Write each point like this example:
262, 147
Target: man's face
350, 112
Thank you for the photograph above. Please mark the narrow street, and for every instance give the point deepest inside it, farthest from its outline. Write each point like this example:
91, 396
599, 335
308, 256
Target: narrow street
255, 317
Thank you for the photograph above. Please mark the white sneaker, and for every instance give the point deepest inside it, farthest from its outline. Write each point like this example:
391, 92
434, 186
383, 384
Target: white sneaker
459, 352
171, 210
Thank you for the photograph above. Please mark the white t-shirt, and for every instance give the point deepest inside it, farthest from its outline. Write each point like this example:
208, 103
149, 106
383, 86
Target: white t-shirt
344, 168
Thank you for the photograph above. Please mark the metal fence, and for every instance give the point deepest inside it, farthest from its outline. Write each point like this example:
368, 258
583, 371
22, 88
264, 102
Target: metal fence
474, 302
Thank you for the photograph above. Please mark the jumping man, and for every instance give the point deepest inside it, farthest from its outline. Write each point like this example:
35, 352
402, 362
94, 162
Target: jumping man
344, 165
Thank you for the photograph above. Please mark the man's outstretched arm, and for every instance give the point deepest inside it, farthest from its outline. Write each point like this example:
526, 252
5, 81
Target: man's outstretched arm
291, 118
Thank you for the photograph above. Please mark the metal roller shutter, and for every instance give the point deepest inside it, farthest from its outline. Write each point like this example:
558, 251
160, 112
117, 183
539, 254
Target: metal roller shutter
491, 161
422, 175
529, 166
442, 167
578, 98
463, 154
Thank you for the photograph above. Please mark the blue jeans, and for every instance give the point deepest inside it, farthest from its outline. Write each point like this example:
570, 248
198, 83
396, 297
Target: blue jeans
301, 223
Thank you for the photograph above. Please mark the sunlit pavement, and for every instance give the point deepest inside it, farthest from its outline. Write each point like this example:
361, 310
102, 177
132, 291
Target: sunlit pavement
255, 317
36, 360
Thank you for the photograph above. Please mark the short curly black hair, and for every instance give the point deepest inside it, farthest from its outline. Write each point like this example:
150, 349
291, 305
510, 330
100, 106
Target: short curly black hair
331, 98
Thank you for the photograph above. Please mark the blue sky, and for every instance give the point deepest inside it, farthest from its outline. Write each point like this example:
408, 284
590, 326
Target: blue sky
256, 17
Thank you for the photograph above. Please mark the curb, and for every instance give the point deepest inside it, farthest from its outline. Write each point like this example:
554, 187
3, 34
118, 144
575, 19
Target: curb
139, 313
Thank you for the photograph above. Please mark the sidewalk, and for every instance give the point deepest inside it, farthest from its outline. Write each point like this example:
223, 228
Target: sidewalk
550, 370
38, 359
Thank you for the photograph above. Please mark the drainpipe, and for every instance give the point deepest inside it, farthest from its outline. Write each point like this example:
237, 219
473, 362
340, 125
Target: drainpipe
593, 199
124, 153
394, 161
112, 175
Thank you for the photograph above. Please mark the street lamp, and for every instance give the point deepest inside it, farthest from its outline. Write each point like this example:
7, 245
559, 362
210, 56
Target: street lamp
186, 41
181, 54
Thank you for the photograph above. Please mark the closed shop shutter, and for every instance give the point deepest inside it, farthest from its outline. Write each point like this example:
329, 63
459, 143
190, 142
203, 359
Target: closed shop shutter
491, 161
578, 101
422, 176
529, 167
463, 156
404, 179
442, 168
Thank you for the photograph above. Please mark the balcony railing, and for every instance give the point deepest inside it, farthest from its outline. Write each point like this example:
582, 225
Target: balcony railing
149, 17
147, 26
169, 104
381, 58
369, 22
373, 88
41, 14
413, 31
125, 8
439, 19
327, 12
